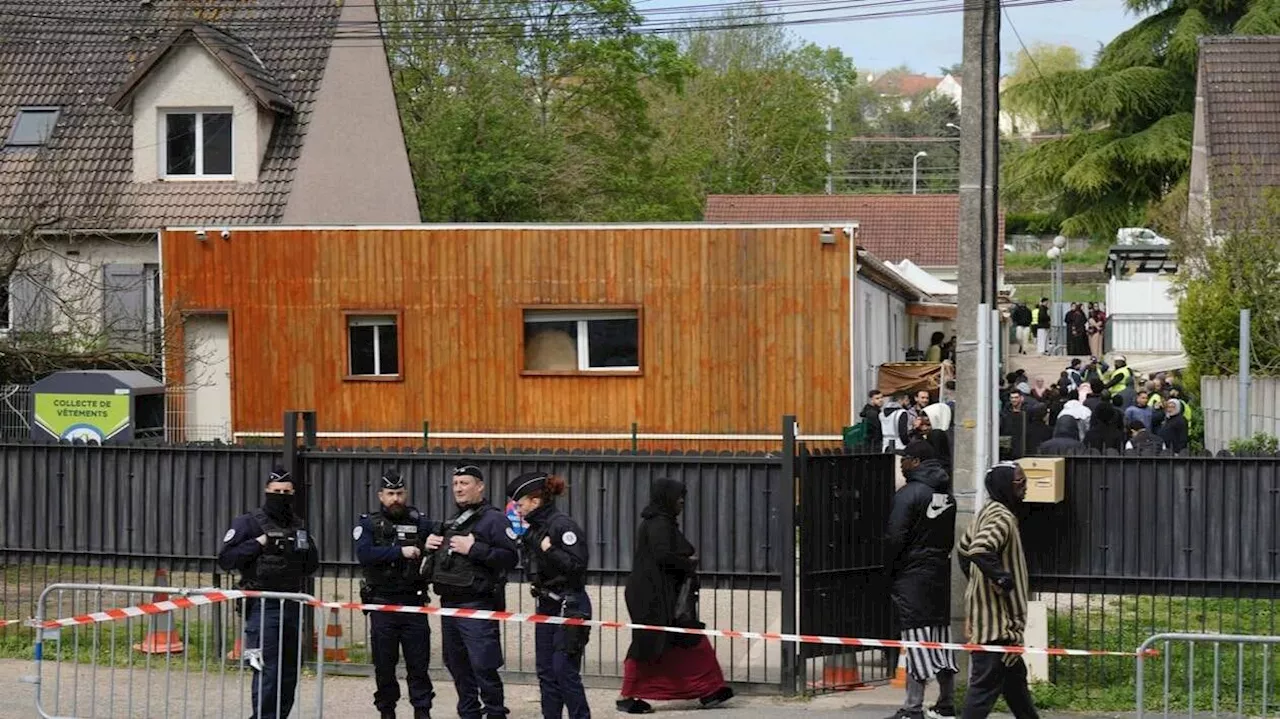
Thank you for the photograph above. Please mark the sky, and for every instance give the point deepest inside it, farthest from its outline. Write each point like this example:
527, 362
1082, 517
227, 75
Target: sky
928, 42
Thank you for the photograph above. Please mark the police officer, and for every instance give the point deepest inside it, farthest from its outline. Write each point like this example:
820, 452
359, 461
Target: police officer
469, 561
272, 550
555, 559
389, 546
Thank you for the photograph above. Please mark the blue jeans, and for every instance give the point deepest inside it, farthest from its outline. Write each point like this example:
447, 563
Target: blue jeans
473, 654
559, 673
274, 626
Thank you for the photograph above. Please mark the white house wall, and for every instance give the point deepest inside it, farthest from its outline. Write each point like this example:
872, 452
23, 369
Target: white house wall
881, 315
191, 78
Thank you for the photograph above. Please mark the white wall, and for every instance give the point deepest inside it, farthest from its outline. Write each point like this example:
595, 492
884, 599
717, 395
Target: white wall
190, 78
1142, 315
1220, 402
882, 333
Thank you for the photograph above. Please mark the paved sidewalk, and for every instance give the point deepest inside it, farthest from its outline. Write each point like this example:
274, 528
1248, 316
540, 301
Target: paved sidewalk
351, 697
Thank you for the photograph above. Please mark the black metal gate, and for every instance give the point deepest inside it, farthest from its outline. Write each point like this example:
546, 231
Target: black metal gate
844, 591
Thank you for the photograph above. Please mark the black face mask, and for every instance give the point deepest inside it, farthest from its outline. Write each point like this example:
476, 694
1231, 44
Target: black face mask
278, 506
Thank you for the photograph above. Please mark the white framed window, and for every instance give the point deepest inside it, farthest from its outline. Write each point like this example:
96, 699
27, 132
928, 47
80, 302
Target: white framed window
32, 126
373, 346
197, 144
581, 340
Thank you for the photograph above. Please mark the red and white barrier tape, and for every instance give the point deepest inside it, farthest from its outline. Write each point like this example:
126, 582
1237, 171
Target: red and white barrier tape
7, 622
196, 600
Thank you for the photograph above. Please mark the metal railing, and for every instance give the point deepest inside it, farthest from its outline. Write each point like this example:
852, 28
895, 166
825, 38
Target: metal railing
1225, 659
205, 660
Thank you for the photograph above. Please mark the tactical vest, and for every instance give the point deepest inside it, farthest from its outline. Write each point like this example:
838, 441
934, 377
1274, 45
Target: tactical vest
1119, 380
455, 574
401, 576
279, 568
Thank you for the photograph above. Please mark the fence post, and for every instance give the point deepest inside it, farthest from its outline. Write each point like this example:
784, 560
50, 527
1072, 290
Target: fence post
787, 562
1245, 351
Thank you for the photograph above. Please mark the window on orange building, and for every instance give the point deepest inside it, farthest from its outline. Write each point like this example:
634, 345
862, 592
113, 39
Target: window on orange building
570, 340
373, 346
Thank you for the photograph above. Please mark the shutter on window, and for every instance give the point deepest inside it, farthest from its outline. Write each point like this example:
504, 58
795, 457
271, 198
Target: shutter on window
31, 298
124, 307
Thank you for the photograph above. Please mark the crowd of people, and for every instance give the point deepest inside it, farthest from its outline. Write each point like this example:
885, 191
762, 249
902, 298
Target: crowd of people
1092, 406
1085, 328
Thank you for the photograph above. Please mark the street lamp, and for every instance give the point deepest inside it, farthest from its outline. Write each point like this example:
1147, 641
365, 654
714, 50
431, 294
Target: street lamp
1056, 292
915, 168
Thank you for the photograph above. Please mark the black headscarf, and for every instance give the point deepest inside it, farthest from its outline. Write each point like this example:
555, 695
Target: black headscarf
664, 498
999, 485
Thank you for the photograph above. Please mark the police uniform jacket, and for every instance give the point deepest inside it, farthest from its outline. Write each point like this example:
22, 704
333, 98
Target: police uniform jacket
379, 539
563, 567
289, 557
481, 573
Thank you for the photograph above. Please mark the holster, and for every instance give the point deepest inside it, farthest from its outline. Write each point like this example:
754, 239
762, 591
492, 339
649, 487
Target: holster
575, 636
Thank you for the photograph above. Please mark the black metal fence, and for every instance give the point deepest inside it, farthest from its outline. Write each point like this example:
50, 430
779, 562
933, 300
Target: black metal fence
1144, 545
117, 514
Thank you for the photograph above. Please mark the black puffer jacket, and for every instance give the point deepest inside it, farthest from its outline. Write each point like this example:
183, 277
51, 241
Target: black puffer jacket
921, 534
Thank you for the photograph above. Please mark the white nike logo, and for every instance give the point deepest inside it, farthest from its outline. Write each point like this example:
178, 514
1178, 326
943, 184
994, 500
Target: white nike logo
940, 504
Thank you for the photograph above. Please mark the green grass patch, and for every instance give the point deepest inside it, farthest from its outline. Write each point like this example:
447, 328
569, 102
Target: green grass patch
1089, 258
1070, 293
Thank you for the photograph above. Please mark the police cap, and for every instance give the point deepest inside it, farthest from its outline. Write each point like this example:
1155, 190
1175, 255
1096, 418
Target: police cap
391, 479
525, 484
468, 470
279, 474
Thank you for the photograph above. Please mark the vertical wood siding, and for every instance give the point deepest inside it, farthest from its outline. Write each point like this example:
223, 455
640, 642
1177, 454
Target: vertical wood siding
739, 326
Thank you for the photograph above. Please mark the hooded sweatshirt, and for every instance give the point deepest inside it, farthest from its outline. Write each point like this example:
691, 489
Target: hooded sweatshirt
1066, 438
991, 556
918, 542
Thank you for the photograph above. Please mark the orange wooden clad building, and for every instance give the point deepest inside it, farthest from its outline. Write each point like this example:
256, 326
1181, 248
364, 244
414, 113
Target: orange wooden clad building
688, 329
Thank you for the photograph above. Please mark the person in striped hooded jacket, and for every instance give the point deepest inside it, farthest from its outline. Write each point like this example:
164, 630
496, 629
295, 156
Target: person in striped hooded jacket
990, 555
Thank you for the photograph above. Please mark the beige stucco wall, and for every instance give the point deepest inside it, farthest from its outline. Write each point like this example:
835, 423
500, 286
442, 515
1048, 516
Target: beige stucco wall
354, 167
191, 78
1198, 197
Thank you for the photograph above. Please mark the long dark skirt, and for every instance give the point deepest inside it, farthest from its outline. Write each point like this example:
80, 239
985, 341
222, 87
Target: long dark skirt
680, 673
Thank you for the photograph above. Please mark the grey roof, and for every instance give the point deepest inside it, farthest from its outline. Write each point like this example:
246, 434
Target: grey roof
1240, 83
98, 380
80, 55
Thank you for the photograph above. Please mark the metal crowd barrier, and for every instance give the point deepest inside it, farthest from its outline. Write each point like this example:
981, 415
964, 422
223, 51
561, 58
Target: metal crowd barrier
201, 661
1218, 674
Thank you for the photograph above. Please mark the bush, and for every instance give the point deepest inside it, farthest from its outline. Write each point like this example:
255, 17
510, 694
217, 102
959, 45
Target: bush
1257, 445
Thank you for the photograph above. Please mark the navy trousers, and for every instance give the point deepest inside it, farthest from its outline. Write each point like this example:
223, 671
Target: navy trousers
390, 631
559, 675
274, 626
473, 654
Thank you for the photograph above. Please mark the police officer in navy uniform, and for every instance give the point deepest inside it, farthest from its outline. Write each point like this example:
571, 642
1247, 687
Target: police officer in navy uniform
554, 551
469, 560
273, 551
389, 546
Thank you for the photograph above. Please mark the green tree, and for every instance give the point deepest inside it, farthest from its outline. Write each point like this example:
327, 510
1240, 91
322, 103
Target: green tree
1129, 115
1039, 60
878, 155
1236, 268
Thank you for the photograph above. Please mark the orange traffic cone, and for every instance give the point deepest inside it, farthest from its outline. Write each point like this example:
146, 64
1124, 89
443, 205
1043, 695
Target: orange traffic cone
841, 673
161, 639
335, 644
899, 680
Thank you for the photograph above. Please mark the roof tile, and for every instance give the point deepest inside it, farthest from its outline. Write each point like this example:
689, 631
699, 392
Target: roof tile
1240, 83
920, 228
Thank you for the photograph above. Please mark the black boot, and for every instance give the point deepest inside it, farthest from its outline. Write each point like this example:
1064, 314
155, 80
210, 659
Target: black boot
421, 713
720, 696
387, 714
634, 706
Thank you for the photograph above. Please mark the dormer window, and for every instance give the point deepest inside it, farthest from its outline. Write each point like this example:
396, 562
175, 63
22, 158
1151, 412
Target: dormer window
197, 144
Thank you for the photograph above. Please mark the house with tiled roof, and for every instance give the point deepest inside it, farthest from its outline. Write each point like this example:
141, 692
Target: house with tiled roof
1235, 149
121, 117
922, 228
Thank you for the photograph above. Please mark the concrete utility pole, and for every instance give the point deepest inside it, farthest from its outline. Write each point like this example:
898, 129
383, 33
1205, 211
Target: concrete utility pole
979, 235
